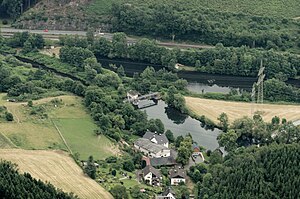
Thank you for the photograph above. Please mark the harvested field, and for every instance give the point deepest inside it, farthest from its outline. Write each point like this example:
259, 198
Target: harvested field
235, 110
57, 168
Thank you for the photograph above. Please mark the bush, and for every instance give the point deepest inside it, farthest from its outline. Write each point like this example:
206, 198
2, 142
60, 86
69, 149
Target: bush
9, 117
4, 22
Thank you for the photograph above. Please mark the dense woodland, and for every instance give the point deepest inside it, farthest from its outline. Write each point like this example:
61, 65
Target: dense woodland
266, 172
14, 185
176, 21
14, 8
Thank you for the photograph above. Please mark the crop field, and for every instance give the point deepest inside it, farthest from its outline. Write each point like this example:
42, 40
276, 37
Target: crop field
235, 110
57, 168
29, 131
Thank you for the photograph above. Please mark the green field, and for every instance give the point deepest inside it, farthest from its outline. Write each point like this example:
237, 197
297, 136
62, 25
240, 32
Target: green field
79, 134
34, 131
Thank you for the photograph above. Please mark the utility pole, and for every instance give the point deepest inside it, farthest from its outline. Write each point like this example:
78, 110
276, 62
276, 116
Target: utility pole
253, 98
260, 84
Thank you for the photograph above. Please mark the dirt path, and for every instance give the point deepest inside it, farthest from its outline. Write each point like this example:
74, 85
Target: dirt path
57, 168
62, 137
235, 110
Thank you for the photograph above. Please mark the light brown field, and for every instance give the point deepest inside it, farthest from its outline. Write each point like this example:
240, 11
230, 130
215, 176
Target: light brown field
235, 110
57, 168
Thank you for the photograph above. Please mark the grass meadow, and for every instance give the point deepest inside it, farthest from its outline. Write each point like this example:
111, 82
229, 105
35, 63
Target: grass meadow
37, 131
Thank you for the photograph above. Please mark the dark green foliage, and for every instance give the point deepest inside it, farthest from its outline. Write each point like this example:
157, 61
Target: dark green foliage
171, 20
9, 116
128, 165
178, 141
90, 168
197, 172
276, 90
170, 136
137, 194
184, 150
176, 100
156, 125
119, 192
14, 185
266, 172
101, 47
27, 40
73, 41
75, 55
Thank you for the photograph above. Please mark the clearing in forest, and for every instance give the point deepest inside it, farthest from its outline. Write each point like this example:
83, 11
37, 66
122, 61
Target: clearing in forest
57, 168
235, 110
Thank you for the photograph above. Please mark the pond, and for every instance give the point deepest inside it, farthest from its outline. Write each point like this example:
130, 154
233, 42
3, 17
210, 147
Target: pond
182, 124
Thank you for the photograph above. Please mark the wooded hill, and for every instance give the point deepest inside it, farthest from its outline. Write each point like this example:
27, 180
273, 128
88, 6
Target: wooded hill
266, 172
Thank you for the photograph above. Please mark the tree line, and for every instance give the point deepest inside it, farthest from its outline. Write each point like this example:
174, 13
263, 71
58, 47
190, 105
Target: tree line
173, 21
243, 61
14, 8
15, 185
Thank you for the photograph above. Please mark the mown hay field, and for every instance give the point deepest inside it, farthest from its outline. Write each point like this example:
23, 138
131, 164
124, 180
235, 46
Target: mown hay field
57, 168
235, 110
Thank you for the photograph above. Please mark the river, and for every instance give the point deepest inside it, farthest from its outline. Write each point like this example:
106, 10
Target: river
197, 82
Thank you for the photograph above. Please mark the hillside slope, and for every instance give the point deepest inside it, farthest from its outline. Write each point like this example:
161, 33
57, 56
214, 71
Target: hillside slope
57, 168
82, 14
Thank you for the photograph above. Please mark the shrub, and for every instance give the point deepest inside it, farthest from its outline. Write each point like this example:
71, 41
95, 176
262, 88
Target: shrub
9, 117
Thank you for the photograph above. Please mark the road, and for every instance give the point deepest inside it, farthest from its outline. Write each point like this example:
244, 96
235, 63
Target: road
54, 34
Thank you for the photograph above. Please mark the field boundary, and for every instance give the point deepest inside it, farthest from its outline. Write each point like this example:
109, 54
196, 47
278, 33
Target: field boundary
9, 140
62, 137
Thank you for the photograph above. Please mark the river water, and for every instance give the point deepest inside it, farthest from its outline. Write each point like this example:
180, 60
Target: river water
197, 82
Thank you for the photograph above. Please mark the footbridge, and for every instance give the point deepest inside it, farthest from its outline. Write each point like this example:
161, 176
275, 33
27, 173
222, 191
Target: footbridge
134, 97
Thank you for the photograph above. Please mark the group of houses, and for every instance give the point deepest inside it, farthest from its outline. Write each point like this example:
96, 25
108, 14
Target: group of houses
157, 153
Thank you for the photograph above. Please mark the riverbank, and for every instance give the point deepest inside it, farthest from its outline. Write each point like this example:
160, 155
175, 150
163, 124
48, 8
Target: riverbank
235, 110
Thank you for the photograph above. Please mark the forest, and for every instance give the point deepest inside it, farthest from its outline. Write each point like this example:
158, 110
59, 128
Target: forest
14, 8
265, 172
175, 21
14, 185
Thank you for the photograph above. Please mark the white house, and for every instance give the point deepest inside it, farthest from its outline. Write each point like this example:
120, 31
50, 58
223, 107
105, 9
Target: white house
151, 176
167, 194
177, 176
151, 149
160, 139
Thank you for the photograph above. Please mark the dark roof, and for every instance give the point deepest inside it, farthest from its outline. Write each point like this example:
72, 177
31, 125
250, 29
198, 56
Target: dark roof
167, 191
177, 173
151, 169
149, 146
165, 161
160, 138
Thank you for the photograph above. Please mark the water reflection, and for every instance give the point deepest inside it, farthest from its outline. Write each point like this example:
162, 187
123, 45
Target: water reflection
181, 124
175, 116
